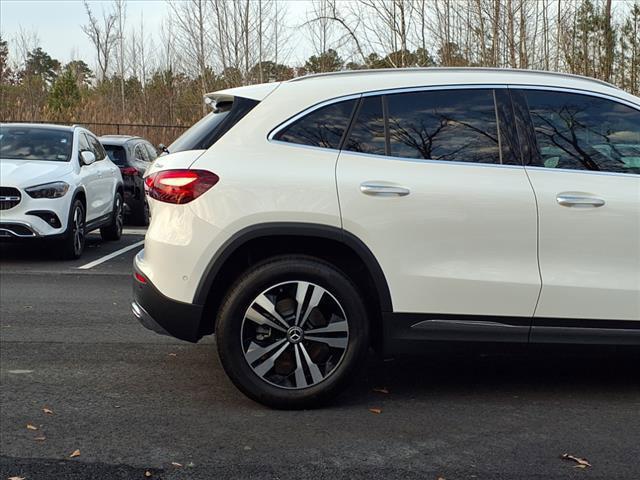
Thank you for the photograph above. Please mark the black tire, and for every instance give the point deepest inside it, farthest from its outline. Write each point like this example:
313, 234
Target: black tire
113, 231
273, 277
74, 239
140, 216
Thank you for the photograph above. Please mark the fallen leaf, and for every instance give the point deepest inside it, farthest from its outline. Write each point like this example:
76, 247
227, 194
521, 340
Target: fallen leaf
48, 411
31, 427
147, 473
579, 466
40, 438
76, 453
440, 478
176, 464
381, 390
375, 410
582, 463
173, 354
16, 478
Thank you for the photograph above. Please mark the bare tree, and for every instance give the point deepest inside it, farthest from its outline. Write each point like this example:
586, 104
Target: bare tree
120, 14
103, 35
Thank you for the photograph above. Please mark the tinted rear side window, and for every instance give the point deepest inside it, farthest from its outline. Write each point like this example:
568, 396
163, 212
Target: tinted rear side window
367, 133
323, 127
117, 154
213, 126
453, 125
583, 132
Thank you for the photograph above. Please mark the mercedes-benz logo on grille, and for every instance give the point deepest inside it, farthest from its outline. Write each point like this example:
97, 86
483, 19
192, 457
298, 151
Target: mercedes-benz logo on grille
295, 334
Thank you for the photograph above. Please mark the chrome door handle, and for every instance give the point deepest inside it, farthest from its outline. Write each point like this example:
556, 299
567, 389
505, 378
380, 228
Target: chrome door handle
379, 190
578, 200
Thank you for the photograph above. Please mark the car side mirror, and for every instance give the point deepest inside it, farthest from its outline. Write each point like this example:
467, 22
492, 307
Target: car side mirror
87, 157
163, 148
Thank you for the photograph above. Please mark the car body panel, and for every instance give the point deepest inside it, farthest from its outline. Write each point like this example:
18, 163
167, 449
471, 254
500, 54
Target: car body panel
589, 257
450, 246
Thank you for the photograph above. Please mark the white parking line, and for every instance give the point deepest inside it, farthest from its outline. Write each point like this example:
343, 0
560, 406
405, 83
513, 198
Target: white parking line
134, 231
110, 256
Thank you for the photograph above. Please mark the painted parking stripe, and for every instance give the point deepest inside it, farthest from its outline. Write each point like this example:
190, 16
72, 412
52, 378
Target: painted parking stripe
134, 231
106, 258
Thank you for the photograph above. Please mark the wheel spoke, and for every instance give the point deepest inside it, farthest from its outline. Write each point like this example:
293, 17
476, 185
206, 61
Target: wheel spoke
265, 303
301, 380
260, 319
255, 351
316, 296
267, 365
301, 293
316, 376
335, 327
334, 342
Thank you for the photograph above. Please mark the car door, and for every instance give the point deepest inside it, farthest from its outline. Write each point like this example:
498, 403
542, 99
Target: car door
584, 165
431, 181
107, 173
90, 175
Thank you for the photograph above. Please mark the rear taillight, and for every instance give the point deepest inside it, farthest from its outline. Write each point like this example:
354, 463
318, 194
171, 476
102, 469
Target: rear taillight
179, 186
129, 171
139, 277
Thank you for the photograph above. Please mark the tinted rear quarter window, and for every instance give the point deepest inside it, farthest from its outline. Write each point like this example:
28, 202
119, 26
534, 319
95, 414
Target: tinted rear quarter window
452, 125
584, 132
323, 127
117, 154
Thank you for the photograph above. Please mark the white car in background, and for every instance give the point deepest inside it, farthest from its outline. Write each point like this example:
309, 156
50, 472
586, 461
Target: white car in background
57, 183
306, 221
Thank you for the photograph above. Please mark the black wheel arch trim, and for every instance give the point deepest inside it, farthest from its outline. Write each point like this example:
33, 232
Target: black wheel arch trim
295, 229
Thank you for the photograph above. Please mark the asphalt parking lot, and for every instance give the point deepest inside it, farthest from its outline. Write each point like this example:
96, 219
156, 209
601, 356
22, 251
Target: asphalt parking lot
138, 405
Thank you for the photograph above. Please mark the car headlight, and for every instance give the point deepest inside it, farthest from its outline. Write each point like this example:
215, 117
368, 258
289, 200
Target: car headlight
48, 190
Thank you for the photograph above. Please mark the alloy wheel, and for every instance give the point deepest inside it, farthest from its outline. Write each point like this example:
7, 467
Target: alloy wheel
78, 230
294, 335
119, 215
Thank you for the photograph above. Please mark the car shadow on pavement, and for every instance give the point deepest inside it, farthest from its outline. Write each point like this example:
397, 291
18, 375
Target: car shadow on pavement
548, 369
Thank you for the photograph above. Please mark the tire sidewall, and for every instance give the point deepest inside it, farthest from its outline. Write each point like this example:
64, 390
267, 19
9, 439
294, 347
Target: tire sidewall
69, 240
261, 278
118, 210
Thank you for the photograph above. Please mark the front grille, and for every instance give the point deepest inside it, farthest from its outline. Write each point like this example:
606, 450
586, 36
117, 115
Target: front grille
9, 197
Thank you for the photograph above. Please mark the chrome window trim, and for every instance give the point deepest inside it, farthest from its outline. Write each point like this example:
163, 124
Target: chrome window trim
306, 112
577, 91
427, 160
477, 86
584, 93
286, 123
589, 172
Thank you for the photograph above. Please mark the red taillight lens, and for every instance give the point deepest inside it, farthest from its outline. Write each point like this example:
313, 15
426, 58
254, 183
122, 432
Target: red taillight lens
131, 171
139, 277
179, 186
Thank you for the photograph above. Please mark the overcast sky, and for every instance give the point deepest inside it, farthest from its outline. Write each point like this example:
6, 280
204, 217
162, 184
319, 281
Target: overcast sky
57, 23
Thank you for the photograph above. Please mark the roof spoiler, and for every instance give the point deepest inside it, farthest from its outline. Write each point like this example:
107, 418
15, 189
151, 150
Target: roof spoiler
255, 92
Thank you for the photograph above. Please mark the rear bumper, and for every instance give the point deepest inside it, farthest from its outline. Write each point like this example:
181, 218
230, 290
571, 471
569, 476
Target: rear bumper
164, 315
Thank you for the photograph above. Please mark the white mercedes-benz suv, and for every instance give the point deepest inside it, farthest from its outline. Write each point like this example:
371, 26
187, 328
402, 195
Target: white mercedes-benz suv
57, 183
306, 221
